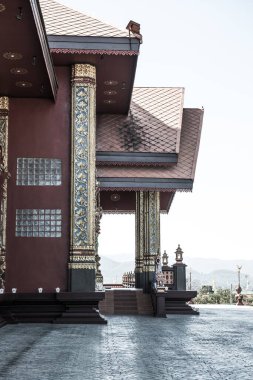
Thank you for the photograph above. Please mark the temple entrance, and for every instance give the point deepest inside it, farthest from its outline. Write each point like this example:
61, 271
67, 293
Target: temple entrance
146, 207
117, 252
116, 247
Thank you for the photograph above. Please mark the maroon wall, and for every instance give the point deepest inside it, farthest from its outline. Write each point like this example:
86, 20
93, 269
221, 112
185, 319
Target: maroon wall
39, 128
126, 202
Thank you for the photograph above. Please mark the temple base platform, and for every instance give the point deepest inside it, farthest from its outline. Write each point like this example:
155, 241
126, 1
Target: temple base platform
62, 308
173, 302
2, 322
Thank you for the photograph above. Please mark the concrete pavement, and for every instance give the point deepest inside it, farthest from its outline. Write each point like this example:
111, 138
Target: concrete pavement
218, 344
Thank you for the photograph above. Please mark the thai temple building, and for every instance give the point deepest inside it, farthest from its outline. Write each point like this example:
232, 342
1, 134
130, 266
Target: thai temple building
77, 140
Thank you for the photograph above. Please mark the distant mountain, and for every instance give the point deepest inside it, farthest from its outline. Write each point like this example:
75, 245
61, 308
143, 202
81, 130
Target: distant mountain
219, 279
215, 272
208, 265
113, 270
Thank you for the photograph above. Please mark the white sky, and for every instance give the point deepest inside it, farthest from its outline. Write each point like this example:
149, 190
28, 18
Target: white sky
206, 47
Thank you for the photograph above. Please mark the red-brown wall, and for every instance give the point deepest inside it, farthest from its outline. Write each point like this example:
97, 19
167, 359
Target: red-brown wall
39, 128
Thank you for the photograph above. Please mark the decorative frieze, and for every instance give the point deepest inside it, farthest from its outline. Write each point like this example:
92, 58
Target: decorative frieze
79, 258
90, 266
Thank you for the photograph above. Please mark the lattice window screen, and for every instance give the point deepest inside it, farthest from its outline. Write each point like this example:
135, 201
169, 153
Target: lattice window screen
39, 172
38, 223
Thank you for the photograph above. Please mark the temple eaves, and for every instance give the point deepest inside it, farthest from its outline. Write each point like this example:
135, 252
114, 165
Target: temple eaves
74, 37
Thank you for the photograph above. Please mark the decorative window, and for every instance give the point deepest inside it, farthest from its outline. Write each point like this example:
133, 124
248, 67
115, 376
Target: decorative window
38, 172
38, 223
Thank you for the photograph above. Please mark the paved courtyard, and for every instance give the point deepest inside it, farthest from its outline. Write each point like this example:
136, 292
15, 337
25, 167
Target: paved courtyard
218, 344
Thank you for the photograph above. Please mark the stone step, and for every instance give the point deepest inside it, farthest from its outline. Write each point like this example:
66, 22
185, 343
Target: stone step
126, 302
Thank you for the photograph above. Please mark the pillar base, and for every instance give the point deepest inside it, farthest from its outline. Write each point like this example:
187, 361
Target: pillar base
158, 300
177, 302
82, 280
180, 276
139, 280
148, 281
62, 308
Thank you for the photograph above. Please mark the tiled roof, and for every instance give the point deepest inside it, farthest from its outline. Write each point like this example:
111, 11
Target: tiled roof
153, 124
187, 158
61, 20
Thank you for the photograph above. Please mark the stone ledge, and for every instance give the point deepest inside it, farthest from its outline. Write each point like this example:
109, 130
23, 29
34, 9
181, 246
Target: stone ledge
61, 308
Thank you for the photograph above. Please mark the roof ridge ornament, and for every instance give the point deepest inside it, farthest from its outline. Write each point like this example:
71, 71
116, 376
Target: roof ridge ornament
134, 28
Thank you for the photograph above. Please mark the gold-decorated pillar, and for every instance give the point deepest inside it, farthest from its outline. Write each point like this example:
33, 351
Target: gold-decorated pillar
4, 175
99, 213
82, 264
147, 237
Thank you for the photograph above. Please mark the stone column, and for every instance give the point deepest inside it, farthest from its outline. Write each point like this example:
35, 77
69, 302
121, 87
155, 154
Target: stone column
82, 264
99, 213
139, 244
4, 175
147, 237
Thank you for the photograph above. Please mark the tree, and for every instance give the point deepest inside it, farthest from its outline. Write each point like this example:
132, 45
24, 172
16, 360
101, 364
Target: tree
221, 296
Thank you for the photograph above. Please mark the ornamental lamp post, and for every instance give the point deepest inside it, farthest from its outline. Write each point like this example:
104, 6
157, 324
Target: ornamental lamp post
179, 269
179, 254
239, 274
239, 296
165, 258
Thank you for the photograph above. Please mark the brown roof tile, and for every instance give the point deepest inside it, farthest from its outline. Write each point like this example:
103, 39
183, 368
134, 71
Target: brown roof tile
153, 124
187, 158
61, 20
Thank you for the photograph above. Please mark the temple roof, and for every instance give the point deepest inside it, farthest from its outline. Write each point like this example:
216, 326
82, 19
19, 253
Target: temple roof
152, 125
61, 20
74, 37
184, 171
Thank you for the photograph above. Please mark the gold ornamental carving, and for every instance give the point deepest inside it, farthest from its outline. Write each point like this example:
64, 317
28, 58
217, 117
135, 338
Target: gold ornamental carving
149, 268
77, 259
147, 230
4, 176
91, 266
4, 103
81, 70
83, 175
